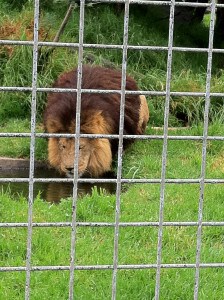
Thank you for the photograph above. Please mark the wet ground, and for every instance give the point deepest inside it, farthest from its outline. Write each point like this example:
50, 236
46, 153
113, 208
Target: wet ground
50, 191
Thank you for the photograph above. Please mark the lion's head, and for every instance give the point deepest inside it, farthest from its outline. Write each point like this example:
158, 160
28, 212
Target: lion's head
95, 156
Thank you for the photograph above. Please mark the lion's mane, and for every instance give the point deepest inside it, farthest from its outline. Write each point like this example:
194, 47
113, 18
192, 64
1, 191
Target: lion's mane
100, 114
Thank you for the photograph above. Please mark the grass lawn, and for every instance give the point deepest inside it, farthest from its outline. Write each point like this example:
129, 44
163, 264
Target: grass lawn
137, 245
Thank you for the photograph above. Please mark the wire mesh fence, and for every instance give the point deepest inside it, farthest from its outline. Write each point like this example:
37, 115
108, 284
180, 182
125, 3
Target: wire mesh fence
163, 181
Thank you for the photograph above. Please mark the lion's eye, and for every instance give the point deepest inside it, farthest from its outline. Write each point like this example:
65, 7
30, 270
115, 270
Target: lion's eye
62, 146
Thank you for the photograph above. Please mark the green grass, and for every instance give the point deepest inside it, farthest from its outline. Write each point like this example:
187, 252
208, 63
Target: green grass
137, 245
147, 67
20, 147
95, 246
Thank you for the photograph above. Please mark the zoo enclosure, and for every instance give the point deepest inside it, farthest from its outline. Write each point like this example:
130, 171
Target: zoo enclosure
163, 181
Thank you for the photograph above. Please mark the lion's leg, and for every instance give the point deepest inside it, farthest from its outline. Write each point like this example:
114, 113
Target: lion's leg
143, 114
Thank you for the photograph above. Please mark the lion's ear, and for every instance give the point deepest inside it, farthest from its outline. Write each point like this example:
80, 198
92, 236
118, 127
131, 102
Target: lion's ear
53, 126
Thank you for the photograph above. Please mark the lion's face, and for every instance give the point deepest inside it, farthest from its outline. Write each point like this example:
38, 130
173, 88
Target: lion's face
65, 149
95, 156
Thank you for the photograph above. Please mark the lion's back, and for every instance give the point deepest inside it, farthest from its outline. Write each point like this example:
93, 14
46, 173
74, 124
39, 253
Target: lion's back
62, 106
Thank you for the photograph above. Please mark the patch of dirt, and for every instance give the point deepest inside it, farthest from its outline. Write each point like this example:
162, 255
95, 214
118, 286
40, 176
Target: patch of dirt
17, 30
20, 30
218, 163
7, 163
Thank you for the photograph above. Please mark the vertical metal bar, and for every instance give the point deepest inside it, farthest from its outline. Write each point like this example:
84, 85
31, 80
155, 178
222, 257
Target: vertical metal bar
76, 161
164, 152
32, 150
120, 149
204, 149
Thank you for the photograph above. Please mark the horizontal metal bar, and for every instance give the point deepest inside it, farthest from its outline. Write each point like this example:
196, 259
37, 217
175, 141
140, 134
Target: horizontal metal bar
110, 224
110, 267
108, 46
94, 91
157, 2
112, 136
153, 2
123, 180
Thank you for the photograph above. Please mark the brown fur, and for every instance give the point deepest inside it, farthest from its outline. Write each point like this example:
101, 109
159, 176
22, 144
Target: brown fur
100, 114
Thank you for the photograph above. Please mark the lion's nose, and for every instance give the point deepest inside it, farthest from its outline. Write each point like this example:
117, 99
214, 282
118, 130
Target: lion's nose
70, 170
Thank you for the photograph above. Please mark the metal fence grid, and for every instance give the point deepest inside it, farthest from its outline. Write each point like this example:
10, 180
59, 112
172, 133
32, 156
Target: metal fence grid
163, 181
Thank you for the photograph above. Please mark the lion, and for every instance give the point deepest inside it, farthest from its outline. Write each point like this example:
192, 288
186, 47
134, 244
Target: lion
100, 114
